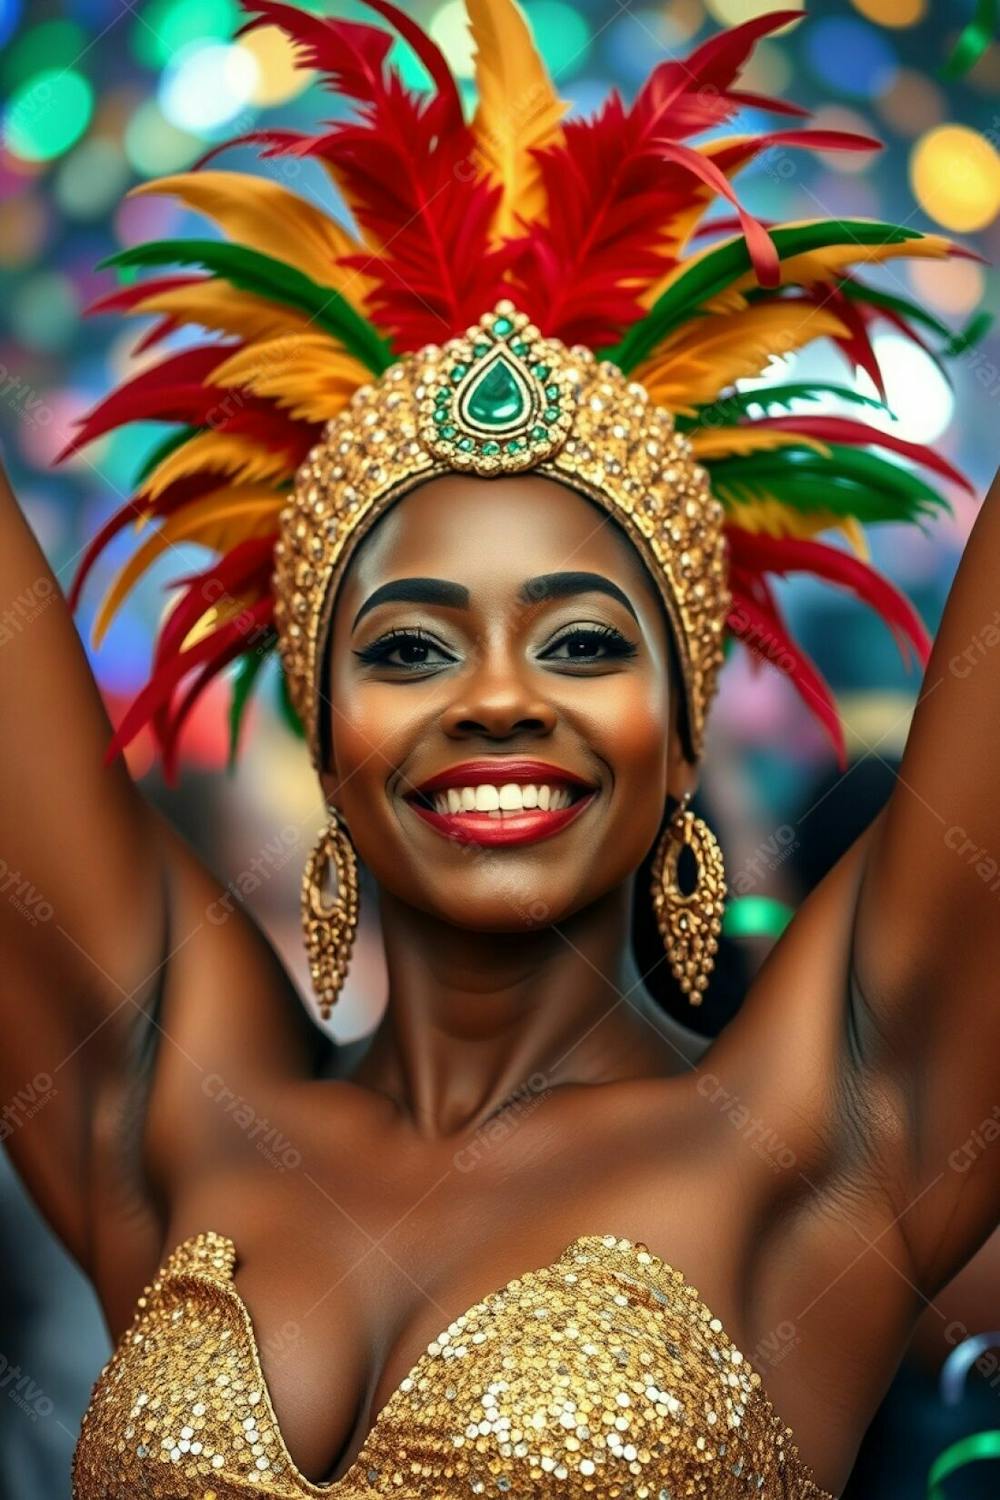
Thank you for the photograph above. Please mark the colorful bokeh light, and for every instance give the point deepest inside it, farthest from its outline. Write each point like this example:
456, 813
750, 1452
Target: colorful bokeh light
955, 174
897, 13
48, 114
163, 28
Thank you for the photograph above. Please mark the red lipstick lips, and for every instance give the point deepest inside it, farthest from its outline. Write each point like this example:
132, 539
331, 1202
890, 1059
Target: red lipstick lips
501, 800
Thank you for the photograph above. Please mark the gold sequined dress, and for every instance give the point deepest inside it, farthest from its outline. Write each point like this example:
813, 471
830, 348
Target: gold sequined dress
602, 1374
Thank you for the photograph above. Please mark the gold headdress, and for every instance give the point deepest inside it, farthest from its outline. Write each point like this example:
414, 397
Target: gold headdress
502, 399
520, 293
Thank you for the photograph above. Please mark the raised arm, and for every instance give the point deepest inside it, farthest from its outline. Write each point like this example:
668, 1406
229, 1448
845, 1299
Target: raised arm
83, 925
926, 950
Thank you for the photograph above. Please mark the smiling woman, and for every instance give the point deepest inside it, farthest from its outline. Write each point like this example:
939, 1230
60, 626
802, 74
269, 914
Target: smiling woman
484, 475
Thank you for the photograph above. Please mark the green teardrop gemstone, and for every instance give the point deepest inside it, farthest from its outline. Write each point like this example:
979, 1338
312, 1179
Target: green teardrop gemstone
496, 399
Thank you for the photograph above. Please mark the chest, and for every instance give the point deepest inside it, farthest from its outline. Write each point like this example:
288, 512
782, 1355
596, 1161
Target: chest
602, 1372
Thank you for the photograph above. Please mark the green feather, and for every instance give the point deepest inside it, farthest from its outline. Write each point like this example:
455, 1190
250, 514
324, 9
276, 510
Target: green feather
851, 482
163, 450
243, 685
856, 291
976, 329
287, 708
733, 408
953, 343
267, 277
709, 276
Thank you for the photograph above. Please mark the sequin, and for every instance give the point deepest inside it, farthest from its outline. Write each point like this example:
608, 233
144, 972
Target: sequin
600, 1375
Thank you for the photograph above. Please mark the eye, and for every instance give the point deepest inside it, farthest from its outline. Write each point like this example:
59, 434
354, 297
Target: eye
406, 650
589, 643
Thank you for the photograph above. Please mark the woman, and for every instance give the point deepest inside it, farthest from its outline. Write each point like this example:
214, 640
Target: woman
498, 574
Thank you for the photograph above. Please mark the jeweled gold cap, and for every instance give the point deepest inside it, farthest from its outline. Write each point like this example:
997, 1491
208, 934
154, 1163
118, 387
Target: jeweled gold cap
503, 399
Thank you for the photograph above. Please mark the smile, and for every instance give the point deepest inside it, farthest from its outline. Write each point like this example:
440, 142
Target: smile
500, 801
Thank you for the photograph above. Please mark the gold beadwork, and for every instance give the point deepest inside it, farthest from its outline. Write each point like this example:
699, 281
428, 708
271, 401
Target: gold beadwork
602, 1375
690, 922
604, 438
330, 926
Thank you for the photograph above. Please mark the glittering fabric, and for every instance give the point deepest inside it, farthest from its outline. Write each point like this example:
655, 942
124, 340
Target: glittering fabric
602, 1374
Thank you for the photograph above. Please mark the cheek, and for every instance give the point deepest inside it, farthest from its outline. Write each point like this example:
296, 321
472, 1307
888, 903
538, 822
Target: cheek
626, 719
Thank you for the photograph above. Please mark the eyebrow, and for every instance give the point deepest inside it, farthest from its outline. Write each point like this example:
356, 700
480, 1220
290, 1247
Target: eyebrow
416, 591
562, 585
455, 596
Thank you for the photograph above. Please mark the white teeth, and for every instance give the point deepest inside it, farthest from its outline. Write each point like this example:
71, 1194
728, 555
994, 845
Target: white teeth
510, 797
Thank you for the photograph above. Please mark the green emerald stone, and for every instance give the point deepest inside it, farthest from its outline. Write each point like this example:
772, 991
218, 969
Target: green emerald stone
550, 413
480, 349
520, 347
443, 393
458, 371
539, 433
466, 444
542, 371
515, 445
502, 327
552, 391
491, 448
497, 398
441, 414
448, 432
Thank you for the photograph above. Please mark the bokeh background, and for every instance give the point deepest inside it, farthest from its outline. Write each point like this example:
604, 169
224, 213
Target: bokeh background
99, 95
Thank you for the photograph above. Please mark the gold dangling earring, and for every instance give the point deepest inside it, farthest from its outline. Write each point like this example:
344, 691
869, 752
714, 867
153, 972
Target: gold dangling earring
329, 926
689, 923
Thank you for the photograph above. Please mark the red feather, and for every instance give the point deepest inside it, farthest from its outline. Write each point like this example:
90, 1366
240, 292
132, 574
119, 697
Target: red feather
617, 181
161, 685
403, 165
858, 434
169, 741
763, 632
756, 553
245, 566
172, 391
351, 56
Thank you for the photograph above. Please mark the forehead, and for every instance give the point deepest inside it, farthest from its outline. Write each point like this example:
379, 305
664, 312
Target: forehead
490, 534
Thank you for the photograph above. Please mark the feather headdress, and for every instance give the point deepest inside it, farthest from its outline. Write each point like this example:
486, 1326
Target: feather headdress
592, 229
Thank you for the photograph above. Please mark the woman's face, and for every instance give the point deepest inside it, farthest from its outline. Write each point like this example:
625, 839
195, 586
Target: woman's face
499, 642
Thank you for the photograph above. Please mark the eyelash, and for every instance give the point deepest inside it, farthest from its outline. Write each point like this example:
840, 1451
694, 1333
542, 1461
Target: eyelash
378, 652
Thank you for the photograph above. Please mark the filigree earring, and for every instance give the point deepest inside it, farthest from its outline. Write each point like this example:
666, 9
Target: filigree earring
689, 922
330, 924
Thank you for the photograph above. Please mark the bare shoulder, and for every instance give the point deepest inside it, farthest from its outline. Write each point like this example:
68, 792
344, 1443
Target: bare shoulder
224, 1038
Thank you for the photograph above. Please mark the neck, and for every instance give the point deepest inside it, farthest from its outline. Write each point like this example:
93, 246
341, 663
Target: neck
475, 1019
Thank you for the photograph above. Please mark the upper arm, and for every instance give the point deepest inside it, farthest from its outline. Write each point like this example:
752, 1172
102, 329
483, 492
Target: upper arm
926, 951
82, 893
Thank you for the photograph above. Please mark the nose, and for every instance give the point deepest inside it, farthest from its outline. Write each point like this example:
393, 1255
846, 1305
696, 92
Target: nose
497, 701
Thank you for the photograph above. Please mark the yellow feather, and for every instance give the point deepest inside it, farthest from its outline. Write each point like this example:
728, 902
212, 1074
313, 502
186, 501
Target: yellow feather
518, 110
708, 443
830, 263
816, 265
216, 615
772, 517
210, 521
309, 373
221, 308
708, 354
259, 213
240, 457
679, 230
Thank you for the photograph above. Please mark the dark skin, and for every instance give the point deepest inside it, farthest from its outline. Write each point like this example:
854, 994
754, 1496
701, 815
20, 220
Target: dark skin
799, 1174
